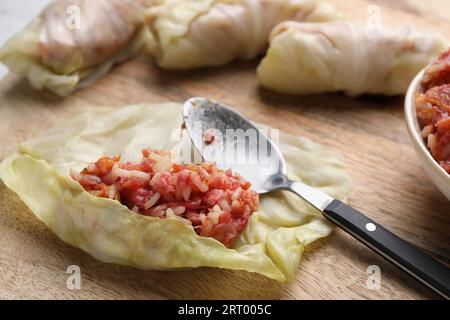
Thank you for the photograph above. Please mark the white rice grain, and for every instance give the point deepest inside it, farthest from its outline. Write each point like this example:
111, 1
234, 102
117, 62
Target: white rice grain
186, 193
214, 214
224, 205
179, 210
117, 172
112, 191
152, 201
203, 187
431, 141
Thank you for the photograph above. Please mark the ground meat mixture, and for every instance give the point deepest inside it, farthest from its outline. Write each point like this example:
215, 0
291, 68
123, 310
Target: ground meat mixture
433, 109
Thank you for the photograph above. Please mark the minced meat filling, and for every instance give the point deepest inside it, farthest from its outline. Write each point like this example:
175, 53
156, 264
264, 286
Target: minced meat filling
216, 203
433, 109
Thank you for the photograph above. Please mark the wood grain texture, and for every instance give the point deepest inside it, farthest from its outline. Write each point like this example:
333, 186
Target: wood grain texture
389, 184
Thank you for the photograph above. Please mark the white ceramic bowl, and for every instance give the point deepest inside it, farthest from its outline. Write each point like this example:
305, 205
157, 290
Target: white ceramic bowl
439, 176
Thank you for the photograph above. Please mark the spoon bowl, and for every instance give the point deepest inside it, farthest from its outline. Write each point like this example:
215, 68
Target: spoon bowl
223, 136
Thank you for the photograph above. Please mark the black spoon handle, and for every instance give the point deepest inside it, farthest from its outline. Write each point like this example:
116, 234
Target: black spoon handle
400, 252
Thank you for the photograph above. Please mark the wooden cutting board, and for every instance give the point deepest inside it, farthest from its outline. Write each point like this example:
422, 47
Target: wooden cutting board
389, 184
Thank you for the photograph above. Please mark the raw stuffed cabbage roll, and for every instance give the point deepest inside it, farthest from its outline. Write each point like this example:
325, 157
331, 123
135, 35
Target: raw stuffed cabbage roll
74, 42
197, 33
151, 210
313, 58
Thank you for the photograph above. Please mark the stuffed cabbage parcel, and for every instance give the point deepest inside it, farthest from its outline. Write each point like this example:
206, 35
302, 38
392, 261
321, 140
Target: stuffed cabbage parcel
74, 42
271, 244
197, 33
311, 58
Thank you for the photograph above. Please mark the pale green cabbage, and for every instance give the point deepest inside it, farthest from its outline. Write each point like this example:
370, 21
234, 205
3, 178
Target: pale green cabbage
64, 49
271, 244
198, 33
307, 58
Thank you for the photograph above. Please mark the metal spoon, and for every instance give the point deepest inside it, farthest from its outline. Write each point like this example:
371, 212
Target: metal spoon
202, 115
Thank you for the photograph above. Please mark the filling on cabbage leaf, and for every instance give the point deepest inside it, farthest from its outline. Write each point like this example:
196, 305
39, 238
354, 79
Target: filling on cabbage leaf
214, 202
271, 244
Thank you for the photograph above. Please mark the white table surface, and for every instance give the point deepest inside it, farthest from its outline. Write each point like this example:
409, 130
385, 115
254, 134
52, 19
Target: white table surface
14, 15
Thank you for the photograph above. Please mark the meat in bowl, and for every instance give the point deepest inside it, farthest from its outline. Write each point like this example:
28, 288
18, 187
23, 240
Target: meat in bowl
433, 109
